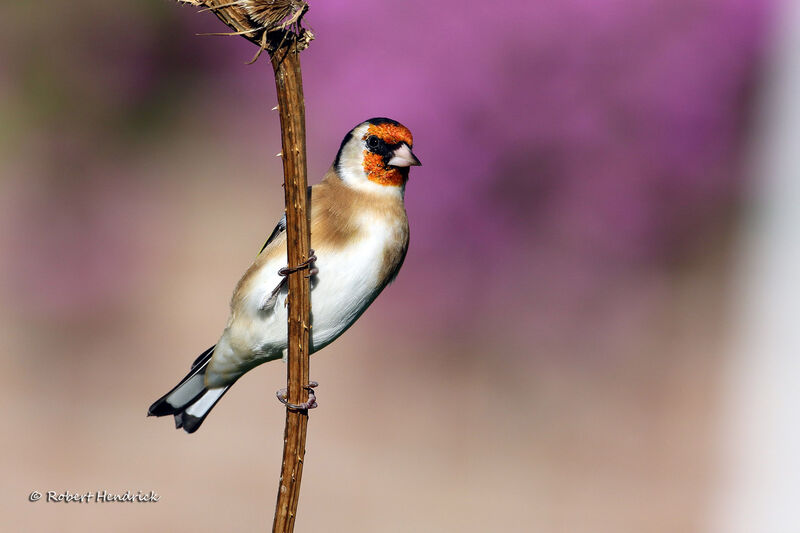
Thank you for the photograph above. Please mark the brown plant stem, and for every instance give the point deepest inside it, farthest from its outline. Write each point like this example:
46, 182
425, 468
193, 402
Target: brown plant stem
275, 26
289, 84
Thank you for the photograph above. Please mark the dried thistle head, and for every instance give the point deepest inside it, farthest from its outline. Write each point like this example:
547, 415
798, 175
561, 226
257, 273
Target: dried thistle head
271, 13
267, 23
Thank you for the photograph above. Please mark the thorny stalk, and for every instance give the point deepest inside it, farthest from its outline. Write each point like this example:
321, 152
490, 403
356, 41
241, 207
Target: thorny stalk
275, 26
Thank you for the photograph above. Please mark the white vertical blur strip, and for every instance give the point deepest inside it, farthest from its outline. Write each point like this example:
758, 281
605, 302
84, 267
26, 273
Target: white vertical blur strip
758, 486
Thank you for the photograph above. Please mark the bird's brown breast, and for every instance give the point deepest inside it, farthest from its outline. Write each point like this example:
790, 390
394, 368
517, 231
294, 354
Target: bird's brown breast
338, 215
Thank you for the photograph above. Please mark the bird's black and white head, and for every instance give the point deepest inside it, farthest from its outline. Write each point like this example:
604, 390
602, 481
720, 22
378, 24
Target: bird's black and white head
376, 155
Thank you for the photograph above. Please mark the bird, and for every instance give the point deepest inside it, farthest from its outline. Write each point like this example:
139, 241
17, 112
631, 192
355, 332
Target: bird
359, 236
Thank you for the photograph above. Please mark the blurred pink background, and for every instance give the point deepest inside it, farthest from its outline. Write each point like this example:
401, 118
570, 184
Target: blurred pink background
549, 358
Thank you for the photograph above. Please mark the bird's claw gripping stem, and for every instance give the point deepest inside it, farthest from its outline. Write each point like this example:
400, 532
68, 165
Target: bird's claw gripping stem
308, 263
282, 395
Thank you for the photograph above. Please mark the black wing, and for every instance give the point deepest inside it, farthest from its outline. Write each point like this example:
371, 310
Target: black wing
280, 228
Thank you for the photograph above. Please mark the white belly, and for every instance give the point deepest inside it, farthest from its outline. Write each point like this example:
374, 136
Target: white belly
346, 284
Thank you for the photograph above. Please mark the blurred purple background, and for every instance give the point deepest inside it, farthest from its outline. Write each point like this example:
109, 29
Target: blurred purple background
547, 351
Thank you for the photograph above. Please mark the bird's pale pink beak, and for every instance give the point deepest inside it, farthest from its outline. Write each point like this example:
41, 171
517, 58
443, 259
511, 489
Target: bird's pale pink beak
403, 157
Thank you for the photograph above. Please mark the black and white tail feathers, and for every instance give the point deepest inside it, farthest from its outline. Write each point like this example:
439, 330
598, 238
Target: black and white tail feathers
190, 401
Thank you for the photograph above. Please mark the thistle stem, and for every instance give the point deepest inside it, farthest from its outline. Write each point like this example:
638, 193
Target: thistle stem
289, 83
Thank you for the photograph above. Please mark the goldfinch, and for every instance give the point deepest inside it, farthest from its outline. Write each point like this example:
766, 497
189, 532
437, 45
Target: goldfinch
359, 231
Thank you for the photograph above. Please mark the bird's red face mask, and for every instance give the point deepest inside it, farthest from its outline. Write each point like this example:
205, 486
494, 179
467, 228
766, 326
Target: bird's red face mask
388, 154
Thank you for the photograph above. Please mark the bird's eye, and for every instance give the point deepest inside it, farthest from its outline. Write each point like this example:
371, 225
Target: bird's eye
373, 142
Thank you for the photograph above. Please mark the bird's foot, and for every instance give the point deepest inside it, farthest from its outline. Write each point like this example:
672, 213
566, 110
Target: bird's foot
305, 406
307, 264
